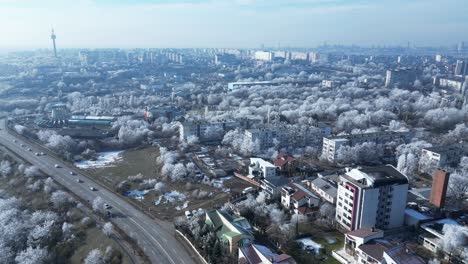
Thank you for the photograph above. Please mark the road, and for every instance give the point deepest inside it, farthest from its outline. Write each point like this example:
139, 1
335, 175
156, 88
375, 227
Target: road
158, 243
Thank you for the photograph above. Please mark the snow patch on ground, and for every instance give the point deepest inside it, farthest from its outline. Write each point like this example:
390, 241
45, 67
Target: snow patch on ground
138, 195
171, 197
105, 159
309, 244
178, 208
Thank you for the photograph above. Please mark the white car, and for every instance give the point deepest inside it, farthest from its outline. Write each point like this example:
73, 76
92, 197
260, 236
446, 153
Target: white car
29, 149
42, 153
92, 189
72, 173
57, 166
38, 154
22, 145
107, 206
14, 140
78, 180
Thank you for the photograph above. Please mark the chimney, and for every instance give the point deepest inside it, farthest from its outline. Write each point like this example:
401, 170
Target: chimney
439, 188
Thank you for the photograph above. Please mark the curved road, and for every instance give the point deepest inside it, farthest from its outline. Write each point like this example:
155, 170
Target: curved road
157, 243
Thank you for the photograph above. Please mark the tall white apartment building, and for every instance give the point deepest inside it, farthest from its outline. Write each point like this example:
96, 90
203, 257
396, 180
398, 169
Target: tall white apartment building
371, 197
331, 145
263, 55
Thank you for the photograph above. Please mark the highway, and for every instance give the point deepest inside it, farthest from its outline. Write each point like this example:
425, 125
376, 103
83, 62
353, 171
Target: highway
158, 243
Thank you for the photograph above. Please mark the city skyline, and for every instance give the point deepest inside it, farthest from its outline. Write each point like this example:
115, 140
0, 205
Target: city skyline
241, 23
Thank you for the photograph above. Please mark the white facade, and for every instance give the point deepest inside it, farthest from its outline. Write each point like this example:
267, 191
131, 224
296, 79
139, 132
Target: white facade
288, 136
441, 157
331, 145
454, 83
372, 197
263, 55
261, 168
202, 129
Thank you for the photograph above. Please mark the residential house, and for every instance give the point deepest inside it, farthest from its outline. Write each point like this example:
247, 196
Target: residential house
299, 199
258, 254
260, 168
232, 232
325, 188
368, 246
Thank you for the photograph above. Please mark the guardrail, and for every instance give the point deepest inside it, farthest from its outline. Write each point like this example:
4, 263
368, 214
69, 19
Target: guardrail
202, 259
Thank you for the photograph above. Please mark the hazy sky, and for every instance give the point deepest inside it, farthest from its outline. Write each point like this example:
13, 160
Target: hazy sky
230, 23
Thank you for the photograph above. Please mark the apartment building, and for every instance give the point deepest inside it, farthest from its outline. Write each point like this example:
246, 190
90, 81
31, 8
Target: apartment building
331, 145
211, 130
371, 197
401, 77
288, 136
441, 157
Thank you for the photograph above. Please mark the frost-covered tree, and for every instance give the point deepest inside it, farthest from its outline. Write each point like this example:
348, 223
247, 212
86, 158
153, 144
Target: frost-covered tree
360, 153
95, 256
5, 168
178, 172
32, 256
60, 199
32, 171
98, 204
454, 239
108, 229
20, 129
408, 157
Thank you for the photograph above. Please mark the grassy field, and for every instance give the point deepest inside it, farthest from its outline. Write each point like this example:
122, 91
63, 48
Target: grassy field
143, 160
94, 239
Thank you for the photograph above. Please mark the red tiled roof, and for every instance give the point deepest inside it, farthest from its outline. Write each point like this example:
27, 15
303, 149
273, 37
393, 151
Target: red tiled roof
282, 160
304, 210
299, 194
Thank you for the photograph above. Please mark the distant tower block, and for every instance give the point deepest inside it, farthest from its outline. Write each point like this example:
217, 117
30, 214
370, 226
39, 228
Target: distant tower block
439, 188
53, 37
59, 114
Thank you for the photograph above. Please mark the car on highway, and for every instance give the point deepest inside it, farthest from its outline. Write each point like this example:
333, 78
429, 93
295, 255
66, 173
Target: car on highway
72, 173
42, 153
29, 149
107, 206
22, 145
92, 189
14, 140
78, 181
37, 154
57, 166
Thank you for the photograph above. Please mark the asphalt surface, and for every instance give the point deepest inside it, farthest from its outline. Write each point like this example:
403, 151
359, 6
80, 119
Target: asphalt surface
158, 243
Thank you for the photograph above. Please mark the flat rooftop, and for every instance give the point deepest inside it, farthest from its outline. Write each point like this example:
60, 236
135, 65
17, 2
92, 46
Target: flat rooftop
377, 176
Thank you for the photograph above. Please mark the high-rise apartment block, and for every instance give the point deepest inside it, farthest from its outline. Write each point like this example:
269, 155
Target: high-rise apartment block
371, 197
402, 77
461, 67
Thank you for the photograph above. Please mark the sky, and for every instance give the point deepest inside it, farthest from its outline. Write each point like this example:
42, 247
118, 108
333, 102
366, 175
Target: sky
230, 23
